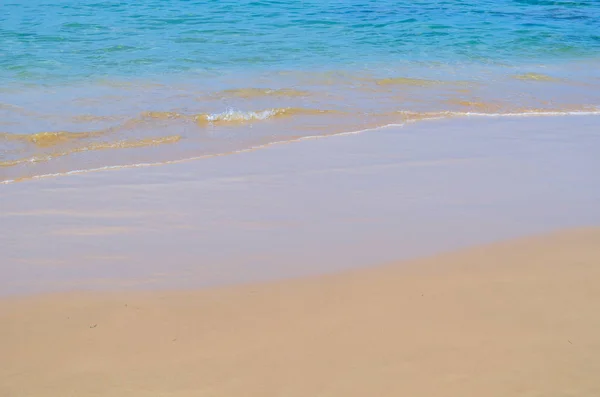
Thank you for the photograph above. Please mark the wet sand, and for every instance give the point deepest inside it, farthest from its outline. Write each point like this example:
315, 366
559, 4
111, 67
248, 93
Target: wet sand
264, 273
517, 318
307, 208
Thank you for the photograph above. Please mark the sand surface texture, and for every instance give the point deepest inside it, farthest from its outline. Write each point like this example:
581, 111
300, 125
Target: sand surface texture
518, 318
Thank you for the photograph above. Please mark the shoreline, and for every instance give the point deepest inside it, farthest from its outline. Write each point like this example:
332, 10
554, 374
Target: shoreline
511, 318
425, 117
265, 274
389, 195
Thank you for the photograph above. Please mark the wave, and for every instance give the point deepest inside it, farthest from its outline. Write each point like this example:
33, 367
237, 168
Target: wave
55, 138
189, 159
49, 138
525, 112
489, 107
535, 77
409, 117
237, 116
123, 144
162, 115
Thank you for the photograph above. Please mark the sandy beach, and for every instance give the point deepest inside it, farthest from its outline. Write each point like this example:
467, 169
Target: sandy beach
351, 266
300, 199
518, 318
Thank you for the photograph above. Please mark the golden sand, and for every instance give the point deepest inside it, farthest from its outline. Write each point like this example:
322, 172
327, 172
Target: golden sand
510, 319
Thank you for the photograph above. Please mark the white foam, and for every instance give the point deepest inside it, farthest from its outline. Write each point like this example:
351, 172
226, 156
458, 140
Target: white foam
434, 116
237, 115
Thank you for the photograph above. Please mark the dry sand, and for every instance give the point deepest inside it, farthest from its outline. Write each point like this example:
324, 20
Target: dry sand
520, 318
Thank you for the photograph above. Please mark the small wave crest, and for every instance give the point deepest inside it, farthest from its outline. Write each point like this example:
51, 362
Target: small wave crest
232, 116
162, 115
408, 117
238, 116
49, 138
523, 112
535, 77
481, 106
46, 139
398, 118
122, 144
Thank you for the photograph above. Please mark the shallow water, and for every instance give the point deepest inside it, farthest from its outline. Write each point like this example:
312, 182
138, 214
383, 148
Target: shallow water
66, 39
104, 84
313, 207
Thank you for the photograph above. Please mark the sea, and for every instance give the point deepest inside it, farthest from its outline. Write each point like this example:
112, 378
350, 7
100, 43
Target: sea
91, 85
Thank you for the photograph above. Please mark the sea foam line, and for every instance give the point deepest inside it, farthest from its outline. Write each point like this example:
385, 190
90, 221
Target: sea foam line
189, 159
441, 115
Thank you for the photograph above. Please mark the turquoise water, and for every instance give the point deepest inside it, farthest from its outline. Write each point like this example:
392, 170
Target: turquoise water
111, 83
47, 39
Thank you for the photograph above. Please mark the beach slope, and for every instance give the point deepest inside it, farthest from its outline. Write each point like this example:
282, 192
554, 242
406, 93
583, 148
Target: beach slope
517, 318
